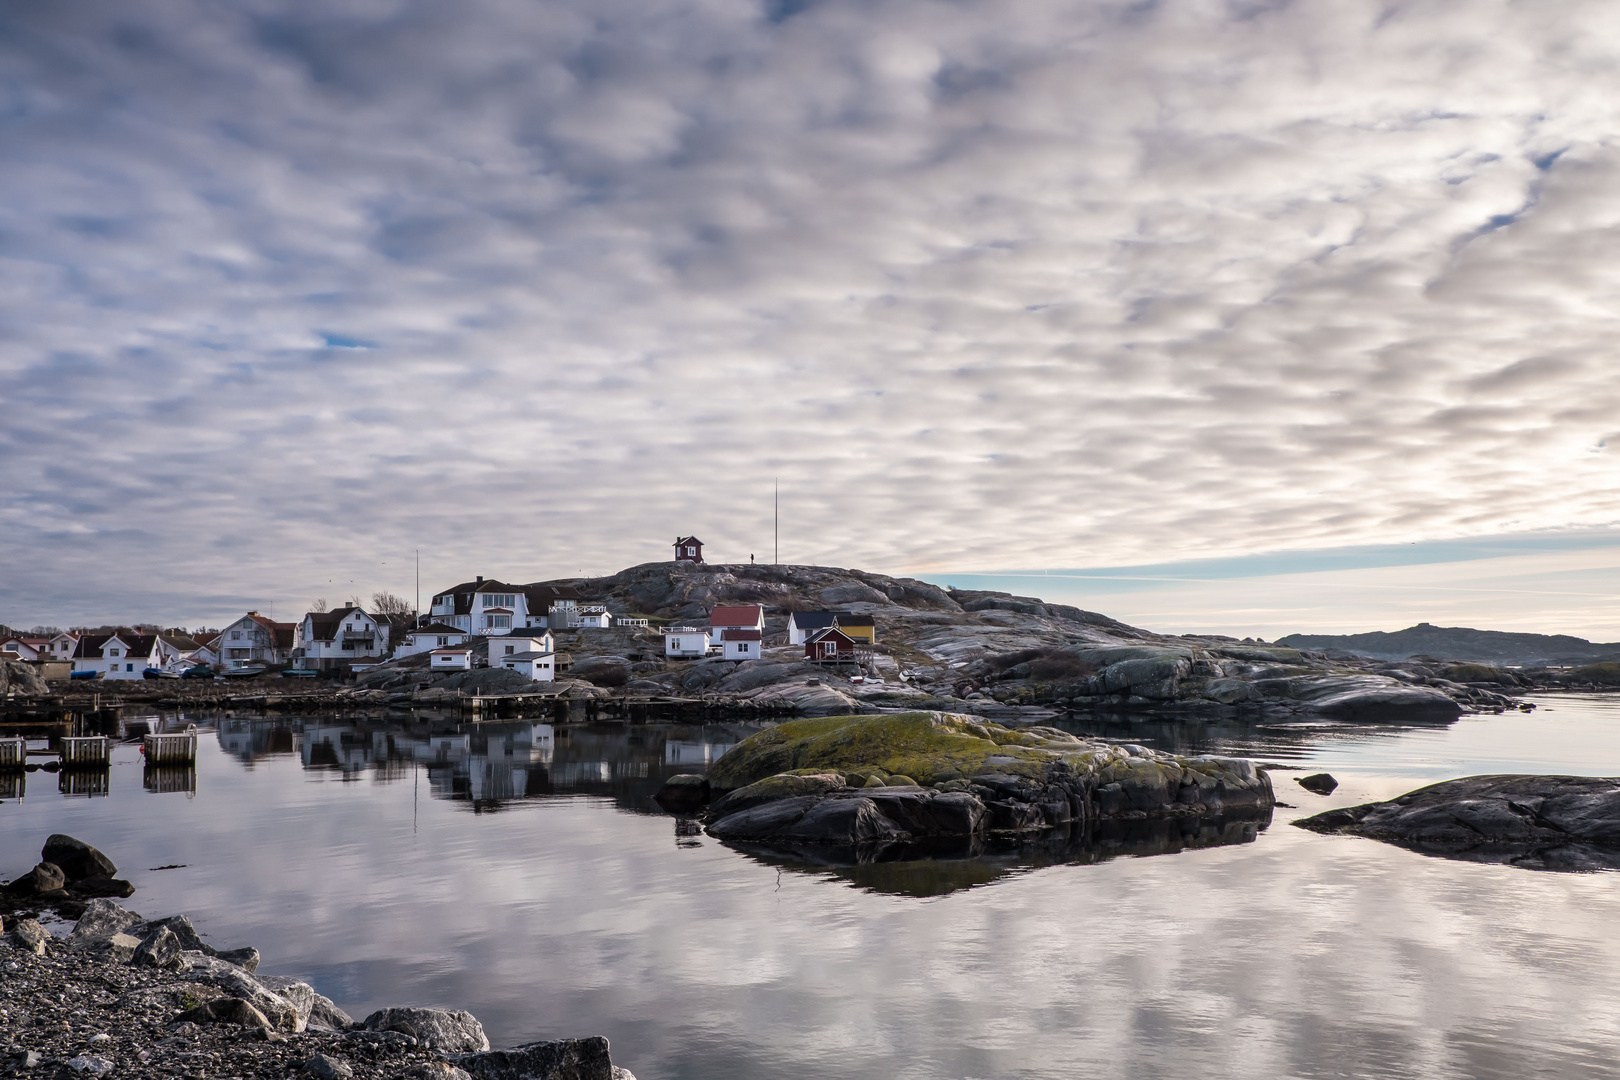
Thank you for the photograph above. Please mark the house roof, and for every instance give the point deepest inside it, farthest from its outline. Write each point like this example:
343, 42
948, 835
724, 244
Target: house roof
743, 615
542, 594
846, 619
183, 642
827, 634
281, 633
91, 646
323, 625
525, 656
687, 540
814, 620
447, 650
437, 628
734, 634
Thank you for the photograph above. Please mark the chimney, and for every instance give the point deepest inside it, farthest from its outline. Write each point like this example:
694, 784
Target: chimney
480, 579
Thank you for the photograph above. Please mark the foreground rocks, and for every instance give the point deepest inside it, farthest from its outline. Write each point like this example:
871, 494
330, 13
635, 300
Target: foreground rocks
1536, 822
900, 779
148, 998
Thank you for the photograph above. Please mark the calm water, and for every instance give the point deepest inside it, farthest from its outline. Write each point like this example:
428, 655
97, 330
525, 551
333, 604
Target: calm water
525, 875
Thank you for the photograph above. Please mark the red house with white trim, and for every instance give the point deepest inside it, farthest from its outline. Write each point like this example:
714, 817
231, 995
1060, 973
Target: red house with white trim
689, 549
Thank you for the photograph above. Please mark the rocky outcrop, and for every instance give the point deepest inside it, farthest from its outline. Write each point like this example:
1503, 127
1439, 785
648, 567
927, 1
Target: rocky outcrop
860, 780
21, 680
1537, 822
437, 1029
563, 1059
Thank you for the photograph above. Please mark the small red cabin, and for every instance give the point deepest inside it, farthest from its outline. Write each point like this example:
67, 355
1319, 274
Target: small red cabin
688, 549
831, 646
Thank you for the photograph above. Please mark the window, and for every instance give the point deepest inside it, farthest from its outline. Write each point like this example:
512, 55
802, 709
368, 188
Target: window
443, 641
497, 622
112, 652
236, 635
510, 649
498, 599
129, 667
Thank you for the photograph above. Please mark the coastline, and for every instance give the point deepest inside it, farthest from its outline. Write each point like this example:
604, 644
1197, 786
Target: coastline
125, 996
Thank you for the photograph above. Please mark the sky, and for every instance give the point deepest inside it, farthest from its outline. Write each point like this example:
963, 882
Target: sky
290, 293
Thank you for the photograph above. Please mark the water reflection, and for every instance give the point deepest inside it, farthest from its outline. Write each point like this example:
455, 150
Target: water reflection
939, 868
493, 764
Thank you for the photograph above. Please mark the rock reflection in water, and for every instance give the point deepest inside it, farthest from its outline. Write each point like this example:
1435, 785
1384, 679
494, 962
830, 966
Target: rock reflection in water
490, 765
939, 868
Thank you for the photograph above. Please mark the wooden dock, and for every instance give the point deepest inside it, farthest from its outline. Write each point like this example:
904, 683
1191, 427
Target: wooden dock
85, 751
170, 748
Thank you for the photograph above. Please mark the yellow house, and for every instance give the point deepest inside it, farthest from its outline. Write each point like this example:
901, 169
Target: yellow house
862, 628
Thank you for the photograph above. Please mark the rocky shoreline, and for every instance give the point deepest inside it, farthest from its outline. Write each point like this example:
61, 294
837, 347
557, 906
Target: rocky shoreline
122, 995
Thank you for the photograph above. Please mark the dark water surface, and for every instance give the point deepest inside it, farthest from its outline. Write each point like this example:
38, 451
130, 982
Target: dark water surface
523, 873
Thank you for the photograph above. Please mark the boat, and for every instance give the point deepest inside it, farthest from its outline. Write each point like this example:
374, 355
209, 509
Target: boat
85, 675
245, 672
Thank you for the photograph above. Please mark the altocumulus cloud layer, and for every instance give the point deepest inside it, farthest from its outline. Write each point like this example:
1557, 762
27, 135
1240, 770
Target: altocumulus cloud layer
287, 290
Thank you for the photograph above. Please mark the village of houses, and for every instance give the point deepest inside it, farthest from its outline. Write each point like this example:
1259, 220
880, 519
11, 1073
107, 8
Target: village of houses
478, 622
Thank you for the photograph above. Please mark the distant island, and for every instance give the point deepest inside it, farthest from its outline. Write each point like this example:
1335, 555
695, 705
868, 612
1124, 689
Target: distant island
1461, 643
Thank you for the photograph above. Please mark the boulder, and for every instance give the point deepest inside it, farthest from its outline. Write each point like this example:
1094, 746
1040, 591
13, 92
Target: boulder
1538, 822
772, 788
295, 992
323, 1067
684, 791
21, 680
77, 859
227, 1010
436, 1029
324, 1014
1317, 783
100, 920
186, 933
565, 1059
246, 958
92, 887
29, 936
160, 949
235, 982
43, 878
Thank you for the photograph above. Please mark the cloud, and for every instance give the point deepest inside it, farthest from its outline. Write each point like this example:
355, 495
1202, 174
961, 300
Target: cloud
288, 293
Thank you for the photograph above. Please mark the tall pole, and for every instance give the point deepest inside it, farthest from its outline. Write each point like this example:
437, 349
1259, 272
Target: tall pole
776, 527
418, 612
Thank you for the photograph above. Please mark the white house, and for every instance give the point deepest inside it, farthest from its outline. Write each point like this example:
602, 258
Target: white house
206, 652
455, 658
123, 654
493, 607
62, 646
539, 666
742, 617
594, 616
520, 641
255, 639
336, 639
686, 641
24, 647
427, 638
741, 644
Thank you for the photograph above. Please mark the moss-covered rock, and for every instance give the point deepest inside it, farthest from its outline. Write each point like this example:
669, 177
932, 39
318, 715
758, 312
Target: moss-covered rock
930, 748
772, 788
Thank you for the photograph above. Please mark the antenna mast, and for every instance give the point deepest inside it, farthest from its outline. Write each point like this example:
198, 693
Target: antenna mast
418, 611
776, 527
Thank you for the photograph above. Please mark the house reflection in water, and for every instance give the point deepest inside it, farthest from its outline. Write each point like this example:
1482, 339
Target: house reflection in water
490, 764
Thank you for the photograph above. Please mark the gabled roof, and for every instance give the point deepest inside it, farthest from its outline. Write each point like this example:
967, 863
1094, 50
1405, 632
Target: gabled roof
92, 646
323, 625
525, 656
183, 642
828, 634
742, 615
734, 634
433, 629
281, 633
814, 620
453, 649
542, 594
846, 619
401, 621
683, 541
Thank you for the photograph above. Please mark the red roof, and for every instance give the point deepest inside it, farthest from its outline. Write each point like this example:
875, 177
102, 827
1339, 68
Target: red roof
734, 634
745, 615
